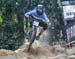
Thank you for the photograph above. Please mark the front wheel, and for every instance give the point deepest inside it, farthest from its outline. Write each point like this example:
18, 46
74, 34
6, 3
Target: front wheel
32, 37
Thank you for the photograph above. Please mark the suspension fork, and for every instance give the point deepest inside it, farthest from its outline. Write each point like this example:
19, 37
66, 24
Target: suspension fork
32, 39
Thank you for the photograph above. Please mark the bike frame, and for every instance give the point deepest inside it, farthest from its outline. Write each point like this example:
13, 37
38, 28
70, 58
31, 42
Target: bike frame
33, 34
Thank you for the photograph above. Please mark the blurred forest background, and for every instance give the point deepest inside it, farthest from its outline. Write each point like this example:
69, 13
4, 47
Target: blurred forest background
13, 24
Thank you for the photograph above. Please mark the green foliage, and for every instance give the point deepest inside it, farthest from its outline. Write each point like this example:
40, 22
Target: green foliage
1, 20
11, 31
13, 20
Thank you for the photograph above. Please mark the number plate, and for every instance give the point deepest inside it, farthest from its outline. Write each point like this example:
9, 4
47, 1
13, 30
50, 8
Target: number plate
35, 23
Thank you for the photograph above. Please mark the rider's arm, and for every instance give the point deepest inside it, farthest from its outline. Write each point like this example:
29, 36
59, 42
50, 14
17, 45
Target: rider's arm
29, 13
26, 15
46, 18
40, 19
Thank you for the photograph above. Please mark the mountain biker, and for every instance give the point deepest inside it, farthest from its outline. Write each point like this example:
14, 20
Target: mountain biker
39, 12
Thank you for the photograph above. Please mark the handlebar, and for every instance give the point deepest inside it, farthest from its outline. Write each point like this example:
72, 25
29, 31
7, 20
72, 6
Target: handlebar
38, 19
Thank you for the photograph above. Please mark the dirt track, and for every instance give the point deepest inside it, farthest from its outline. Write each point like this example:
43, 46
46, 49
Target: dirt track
44, 52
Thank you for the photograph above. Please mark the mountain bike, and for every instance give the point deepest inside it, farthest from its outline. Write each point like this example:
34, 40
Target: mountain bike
32, 33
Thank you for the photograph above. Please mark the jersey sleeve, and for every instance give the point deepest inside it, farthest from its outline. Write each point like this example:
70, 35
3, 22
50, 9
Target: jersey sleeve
29, 13
46, 18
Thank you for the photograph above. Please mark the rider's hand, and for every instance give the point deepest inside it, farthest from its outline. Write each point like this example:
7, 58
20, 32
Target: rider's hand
31, 16
45, 21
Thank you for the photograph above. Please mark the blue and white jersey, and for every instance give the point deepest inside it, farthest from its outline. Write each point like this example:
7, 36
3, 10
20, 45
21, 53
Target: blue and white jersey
34, 12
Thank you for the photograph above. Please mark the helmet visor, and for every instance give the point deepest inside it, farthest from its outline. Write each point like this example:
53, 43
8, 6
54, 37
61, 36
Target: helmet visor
39, 10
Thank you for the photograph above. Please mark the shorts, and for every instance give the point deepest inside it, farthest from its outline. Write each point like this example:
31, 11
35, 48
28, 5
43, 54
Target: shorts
41, 24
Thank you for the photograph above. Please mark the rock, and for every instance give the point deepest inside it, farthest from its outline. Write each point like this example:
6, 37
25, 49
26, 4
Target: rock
4, 52
45, 51
71, 57
71, 51
59, 50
